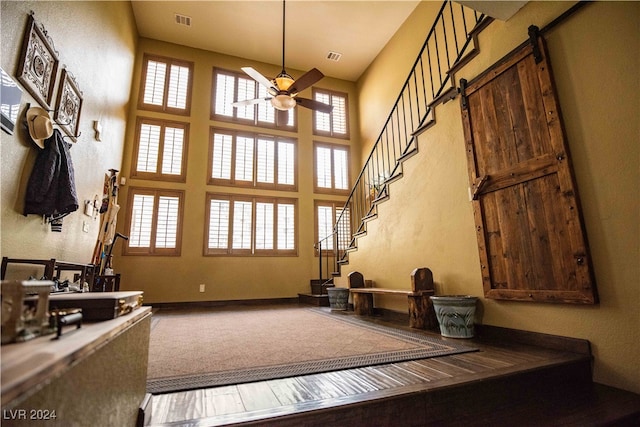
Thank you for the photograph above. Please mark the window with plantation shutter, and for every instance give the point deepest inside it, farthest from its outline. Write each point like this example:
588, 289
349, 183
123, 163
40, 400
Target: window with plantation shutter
332, 223
166, 85
264, 225
141, 221
154, 221
244, 159
286, 227
286, 169
242, 219
331, 168
325, 220
160, 150
230, 86
221, 149
265, 160
167, 224
334, 124
250, 225
218, 230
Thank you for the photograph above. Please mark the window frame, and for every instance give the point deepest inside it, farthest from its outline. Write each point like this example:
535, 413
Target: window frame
251, 122
252, 251
159, 176
164, 108
331, 133
254, 183
152, 250
332, 189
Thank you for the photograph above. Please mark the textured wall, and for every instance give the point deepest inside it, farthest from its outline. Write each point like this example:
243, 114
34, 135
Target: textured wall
428, 220
96, 42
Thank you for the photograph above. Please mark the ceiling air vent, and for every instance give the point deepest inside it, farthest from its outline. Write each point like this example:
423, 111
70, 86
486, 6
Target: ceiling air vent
334, 56
183, 20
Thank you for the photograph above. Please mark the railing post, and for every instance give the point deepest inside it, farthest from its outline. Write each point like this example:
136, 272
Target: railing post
320, 259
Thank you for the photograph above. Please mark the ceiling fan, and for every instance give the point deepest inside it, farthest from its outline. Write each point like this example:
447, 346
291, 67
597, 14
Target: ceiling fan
283, 90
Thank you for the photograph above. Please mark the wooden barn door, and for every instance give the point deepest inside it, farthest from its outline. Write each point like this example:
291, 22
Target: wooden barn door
529, 226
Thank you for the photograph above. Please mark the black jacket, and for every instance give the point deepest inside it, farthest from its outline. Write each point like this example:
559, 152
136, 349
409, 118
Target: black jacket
51, 190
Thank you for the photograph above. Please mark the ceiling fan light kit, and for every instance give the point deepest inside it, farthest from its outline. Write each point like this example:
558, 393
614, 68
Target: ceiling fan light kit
284, 81
284, 88
283, 102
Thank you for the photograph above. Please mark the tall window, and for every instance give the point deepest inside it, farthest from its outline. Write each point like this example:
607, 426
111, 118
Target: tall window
160, 150
154, 221
250, 160
250, 225
336, 123
166, 85
331, 168
332, 216
229, 87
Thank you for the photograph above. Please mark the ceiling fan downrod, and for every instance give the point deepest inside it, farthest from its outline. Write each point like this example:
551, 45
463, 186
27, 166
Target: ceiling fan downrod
283, 80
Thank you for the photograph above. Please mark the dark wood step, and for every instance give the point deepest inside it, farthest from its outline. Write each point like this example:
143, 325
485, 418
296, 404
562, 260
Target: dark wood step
317, 300
523, 402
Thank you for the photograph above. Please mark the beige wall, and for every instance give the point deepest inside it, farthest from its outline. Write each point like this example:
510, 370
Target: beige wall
96, 42
177, 279
428, 220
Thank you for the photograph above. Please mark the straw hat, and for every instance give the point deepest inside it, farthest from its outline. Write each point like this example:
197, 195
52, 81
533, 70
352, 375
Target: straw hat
40, 126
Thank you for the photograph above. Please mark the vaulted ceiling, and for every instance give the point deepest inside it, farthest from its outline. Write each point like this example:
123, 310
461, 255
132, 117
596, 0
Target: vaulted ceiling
252, 29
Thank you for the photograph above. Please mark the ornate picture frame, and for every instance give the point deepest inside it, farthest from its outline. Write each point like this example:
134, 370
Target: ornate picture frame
38, 65
69, 105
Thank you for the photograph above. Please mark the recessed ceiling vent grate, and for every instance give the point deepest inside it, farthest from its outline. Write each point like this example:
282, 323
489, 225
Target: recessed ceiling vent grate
334, 56
183, 20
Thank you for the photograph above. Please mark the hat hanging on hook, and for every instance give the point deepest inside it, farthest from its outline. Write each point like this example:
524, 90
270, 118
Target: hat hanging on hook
40, 126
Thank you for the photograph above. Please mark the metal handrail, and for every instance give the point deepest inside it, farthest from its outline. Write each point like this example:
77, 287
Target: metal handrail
445, 45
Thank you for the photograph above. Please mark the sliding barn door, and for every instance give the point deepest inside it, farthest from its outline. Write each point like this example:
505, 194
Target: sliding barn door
529, 227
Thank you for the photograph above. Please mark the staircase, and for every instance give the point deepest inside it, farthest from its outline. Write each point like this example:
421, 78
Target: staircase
451, 43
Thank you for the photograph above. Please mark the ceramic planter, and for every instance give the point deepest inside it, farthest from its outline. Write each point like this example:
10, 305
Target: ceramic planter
338, 298
456, 315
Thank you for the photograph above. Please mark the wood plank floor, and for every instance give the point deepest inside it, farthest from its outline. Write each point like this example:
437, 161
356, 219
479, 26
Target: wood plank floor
320, 399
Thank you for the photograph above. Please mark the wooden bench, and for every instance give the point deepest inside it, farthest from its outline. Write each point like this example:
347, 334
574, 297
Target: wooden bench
421, 313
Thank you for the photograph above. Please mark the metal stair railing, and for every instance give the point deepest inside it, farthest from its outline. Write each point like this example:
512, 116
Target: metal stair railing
428, 82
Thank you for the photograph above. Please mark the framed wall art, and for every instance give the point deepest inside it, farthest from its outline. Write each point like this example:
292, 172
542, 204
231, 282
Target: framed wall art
67, 113
38, 65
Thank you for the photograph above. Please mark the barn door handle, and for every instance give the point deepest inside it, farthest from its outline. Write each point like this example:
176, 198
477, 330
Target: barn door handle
480, 183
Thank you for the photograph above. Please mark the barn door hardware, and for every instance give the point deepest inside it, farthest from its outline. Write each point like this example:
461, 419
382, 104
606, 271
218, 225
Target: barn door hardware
534, 33
463, 93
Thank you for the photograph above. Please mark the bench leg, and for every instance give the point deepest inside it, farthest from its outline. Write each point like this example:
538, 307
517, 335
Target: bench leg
421, 313
363, 304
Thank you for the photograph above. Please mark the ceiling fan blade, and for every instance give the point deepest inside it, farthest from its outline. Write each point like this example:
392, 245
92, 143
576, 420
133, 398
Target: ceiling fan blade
255, 75
306, 80
250, 102
314, 105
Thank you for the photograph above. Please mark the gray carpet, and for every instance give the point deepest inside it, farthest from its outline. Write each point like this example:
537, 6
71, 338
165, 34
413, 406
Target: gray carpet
200, 350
